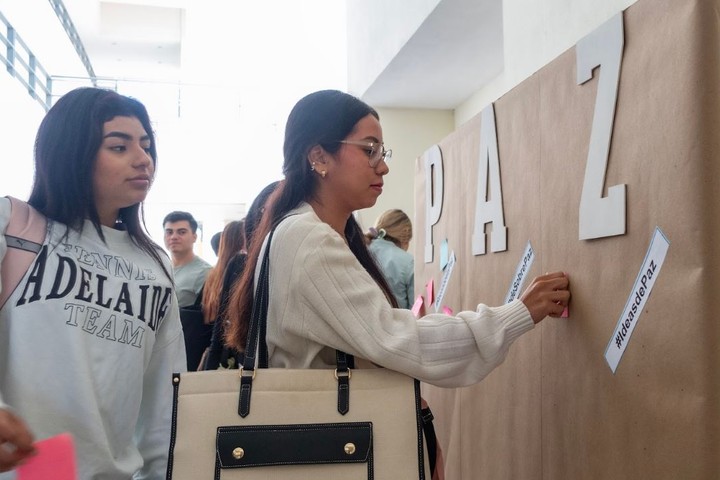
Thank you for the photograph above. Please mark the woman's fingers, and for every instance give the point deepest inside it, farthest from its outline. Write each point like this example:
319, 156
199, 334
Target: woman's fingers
16, 441
547, 295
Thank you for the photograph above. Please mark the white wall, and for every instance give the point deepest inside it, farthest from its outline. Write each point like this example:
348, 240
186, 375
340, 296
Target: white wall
20, 117
37, 26
393, 21
536, 32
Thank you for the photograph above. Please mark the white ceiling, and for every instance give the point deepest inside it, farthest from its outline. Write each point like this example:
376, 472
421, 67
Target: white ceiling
457, 50
131, 39
453, 53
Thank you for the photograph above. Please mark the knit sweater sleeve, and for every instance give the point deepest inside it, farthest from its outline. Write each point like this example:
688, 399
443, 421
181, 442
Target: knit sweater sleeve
343, 308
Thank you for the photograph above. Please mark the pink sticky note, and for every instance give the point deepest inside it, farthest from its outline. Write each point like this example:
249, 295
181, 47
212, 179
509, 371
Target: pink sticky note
447, 310
418, 306
430, 294
55, 458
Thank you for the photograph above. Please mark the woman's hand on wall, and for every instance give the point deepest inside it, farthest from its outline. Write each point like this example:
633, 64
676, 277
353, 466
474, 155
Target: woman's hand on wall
547, 295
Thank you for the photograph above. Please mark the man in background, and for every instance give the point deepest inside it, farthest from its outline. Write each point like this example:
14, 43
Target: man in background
189, 269
190, 272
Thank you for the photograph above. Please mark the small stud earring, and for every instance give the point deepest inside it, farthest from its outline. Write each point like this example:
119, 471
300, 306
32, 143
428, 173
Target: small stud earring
312, 167
323, 173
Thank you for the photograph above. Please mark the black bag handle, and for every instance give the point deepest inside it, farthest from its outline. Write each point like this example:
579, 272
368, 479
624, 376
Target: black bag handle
256, 345
259, 313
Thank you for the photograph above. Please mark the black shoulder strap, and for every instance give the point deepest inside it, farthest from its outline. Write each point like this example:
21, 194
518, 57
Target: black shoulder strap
256, 346
24, 236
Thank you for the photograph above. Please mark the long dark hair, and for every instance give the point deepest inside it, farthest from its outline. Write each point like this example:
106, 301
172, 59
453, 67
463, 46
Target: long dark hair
321, 118
256, 210
66, 147
232, 241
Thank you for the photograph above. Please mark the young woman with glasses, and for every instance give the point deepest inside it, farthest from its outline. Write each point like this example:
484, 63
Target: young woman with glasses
327, 292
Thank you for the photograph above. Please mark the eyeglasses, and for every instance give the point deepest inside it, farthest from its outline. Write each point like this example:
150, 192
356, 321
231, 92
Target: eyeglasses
375, 151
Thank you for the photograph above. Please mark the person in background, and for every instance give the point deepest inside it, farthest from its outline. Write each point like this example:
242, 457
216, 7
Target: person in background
215, 242
190, 272
232, 242
389, 241
189, 269
327, 292
90, 338
219, 355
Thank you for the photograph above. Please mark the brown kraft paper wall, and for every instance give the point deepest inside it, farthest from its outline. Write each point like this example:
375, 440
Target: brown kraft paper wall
554, 409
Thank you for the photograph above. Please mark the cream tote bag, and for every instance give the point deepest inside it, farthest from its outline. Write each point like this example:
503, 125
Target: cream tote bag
295, 424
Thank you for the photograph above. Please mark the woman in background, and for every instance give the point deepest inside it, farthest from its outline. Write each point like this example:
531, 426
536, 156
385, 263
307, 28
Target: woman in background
232, 241
218, 354
389, 242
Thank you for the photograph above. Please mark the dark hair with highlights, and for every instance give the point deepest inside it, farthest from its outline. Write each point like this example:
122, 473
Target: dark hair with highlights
232, 241
320, 118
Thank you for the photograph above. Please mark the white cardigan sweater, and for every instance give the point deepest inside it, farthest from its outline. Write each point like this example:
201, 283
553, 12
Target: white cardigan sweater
322, 299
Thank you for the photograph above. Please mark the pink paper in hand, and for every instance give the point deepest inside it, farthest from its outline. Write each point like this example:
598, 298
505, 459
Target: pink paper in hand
55, 458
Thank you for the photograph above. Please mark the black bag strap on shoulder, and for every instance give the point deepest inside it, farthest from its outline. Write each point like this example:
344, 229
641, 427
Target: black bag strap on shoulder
24, 236
256, 347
